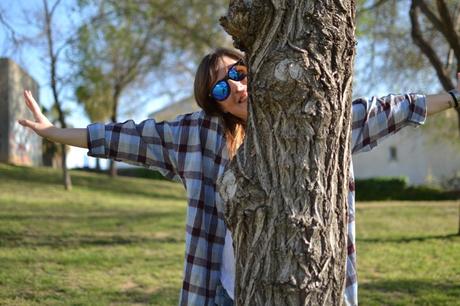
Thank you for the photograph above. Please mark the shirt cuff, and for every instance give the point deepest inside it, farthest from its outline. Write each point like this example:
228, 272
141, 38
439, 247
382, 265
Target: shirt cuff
417, 109
96, 140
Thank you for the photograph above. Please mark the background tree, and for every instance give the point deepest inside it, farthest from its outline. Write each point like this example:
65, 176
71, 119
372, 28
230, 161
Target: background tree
94, 93
411, 44
129, 44
286, 190
54, 52
432, 57
44, 32
113, 53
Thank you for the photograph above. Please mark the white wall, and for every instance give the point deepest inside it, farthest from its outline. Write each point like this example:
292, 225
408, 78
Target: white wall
419, 157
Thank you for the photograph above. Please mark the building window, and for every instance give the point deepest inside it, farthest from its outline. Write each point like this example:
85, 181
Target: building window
393, 154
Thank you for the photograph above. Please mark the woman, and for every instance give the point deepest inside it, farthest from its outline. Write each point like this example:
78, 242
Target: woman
194, 149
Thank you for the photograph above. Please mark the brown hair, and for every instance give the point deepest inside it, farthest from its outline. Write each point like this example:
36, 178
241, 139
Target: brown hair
205, 77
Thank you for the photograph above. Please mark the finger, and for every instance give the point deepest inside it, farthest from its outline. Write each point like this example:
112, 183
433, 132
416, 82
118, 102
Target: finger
32, 110
32, 104
28, 100
27, 123
30, 97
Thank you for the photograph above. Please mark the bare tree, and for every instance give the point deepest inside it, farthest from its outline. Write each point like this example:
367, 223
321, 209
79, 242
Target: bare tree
432, 26
44, 34
54, 53
128, 41
286, 190
446, 24
434, 29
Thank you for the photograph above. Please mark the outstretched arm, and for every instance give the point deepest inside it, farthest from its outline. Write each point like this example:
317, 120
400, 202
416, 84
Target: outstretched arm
43, 127
440, 102
376, 118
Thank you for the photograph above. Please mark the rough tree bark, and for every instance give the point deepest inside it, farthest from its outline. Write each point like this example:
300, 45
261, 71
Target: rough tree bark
286, 190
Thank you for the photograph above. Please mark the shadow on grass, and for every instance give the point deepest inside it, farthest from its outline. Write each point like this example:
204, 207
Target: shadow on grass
12, 172
91, 181
167, 295
115, 186
408, 239
108, 229
115, 216
138, 296
413, 292
81, 240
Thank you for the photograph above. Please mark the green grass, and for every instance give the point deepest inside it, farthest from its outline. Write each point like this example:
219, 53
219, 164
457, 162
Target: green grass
408, 253
117, 242
121, 242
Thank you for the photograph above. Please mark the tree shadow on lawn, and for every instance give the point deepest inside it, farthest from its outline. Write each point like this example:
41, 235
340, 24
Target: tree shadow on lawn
402, 292
116, 216
114, 186
23, 173
140, 296
94, 182
75, 229
137, 295
408, 239
29, 240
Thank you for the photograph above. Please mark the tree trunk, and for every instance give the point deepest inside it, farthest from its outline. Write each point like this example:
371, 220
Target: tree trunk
53, 57
113, 169
115, 99
98, 164
65, 172
286, 191
458, 233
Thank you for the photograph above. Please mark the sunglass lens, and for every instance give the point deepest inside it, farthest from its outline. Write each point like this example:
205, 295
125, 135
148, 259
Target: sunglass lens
237, 72
220, 91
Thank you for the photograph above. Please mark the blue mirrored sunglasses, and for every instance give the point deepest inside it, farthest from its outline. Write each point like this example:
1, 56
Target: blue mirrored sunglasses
236, 72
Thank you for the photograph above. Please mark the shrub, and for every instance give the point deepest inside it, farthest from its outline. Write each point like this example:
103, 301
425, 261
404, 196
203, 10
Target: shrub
452, 183
131, 172
397, 188
142, 173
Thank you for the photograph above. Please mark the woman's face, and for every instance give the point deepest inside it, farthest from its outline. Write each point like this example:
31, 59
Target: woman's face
237, 102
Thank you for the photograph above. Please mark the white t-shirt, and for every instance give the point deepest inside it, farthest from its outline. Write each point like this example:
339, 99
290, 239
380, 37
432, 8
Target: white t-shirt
227, 268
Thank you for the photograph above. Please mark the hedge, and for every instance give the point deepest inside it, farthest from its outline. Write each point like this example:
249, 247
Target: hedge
397, 188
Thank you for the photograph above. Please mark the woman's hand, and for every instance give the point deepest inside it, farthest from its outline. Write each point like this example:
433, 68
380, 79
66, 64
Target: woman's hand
43, 127
440, 102
41, 124
455, 93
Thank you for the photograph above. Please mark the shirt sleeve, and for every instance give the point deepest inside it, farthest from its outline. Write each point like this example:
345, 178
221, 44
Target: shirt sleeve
149, 144
375, 118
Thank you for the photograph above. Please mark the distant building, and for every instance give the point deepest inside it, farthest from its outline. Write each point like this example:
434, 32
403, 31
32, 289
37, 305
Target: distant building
187, 105
416, 153
17, 145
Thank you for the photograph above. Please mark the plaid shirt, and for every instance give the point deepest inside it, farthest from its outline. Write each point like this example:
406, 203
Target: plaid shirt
191, 149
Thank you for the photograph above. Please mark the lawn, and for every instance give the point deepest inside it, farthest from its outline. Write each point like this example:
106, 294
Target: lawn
121, 242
